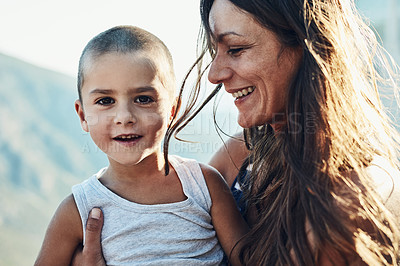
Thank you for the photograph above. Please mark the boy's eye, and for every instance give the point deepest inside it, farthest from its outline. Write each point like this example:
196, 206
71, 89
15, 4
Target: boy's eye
105, 101
143, 100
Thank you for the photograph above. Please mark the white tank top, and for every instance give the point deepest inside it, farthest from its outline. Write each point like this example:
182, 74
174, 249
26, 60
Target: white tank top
179, 233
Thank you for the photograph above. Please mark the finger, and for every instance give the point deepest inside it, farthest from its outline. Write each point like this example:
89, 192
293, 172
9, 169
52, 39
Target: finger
92, 249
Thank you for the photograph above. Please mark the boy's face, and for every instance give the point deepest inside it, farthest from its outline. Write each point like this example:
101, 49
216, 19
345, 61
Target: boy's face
125, 107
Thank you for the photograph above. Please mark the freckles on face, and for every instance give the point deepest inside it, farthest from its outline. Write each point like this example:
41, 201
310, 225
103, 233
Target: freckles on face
123, 96
251, 63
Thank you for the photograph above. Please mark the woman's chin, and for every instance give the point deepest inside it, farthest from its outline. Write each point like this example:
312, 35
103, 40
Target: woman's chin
250, 121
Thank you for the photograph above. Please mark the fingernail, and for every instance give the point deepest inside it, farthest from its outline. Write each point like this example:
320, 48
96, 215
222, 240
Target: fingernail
95, 213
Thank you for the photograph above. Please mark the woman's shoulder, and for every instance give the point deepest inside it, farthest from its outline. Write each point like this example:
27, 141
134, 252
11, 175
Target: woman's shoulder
229, 158
385, 179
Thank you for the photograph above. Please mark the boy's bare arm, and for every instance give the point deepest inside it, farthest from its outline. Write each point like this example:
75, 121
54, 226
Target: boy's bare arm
63, 235
227, 220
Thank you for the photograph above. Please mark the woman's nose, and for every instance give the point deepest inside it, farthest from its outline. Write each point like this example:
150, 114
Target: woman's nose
219, 71
124, 116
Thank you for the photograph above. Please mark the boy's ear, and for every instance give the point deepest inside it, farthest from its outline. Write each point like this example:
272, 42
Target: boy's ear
81, 114
175, 108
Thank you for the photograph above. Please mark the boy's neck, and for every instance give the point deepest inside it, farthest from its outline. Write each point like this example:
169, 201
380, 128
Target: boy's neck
145, 182
152, 165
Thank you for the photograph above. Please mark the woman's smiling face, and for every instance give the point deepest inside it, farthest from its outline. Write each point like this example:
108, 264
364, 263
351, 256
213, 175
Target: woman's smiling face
252, 64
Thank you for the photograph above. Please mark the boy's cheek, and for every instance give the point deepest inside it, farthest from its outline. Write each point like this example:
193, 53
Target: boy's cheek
92, 119
153, 119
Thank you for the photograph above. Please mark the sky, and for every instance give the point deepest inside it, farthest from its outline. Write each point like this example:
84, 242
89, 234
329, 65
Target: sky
53, 33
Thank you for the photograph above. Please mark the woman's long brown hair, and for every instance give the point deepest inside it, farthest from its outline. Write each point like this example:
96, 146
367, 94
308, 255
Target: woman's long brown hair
311, 178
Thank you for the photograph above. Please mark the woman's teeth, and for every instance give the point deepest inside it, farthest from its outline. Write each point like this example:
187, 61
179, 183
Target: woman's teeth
243, 92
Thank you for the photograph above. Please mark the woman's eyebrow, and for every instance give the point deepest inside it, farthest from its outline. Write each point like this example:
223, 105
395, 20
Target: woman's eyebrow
220, 37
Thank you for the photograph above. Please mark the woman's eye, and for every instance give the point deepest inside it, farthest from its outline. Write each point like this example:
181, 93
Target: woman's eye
213, 52
105, 101
143, 100
235, 51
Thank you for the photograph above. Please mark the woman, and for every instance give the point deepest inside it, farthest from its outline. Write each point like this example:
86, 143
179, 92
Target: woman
319, 182
324, 186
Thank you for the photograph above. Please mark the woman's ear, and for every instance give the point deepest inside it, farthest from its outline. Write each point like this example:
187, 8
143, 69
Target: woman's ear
81, 114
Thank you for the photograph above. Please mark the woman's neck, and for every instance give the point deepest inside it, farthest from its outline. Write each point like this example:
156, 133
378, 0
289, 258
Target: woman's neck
278, 127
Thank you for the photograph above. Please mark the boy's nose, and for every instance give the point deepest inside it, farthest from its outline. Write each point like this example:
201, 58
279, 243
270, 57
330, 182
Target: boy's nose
124, 116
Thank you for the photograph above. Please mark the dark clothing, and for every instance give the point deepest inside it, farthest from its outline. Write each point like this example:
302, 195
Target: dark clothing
239, 184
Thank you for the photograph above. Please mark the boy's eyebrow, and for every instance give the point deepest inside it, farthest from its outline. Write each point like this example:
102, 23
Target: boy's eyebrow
144, 89
110, 91
101, 91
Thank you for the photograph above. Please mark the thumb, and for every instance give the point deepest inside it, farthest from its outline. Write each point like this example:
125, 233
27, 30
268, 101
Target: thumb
92, 254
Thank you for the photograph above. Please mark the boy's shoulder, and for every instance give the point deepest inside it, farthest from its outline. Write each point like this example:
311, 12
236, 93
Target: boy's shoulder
90, 179
180, 159
63, 234
68, 214
209, 171
197, 168
211, 175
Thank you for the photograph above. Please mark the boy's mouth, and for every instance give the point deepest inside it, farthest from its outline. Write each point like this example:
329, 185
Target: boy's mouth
127, 138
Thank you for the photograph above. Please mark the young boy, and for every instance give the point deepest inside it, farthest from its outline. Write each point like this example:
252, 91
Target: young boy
126, 100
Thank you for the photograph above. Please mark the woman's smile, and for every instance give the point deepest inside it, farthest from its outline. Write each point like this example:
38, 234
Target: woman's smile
251, 63
243, 92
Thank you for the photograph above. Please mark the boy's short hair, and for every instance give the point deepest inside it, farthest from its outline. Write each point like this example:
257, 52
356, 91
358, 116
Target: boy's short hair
128, 39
